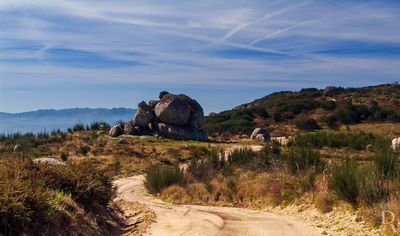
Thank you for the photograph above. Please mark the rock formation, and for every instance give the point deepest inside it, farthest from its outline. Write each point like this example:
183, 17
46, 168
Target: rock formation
173, 116
260, 135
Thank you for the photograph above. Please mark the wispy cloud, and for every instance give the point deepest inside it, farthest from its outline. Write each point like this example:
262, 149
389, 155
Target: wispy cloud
197, 45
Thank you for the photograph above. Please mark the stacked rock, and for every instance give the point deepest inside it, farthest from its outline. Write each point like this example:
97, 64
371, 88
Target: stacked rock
172, 116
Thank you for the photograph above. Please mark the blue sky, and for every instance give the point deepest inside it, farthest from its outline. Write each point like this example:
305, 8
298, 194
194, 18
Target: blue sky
95, 53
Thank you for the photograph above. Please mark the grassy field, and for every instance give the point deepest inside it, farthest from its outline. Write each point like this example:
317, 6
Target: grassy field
325, 169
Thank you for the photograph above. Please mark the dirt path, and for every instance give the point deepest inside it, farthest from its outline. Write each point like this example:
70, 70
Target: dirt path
206, 220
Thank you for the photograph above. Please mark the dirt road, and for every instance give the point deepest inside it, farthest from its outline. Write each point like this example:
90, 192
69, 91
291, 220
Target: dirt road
206, 220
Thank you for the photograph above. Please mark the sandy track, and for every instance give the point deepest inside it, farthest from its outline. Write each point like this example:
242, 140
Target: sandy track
206, 220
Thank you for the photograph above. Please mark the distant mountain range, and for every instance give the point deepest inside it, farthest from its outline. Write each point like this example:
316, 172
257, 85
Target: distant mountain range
48, 120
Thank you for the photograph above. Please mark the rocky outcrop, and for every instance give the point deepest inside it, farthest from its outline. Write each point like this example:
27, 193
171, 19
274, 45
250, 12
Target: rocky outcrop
172, 110
260, 134
173, 116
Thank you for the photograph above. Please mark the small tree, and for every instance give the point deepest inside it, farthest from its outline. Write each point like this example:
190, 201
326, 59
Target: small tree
307, 124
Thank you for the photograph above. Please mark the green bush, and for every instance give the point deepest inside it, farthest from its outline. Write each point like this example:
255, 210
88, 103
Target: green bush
84, 149
64, 156
385, 160
370, 185
300, 159
343, 181
159, 177
241, 156
307, 124
357, 141
78, 127
355, 184
99, 125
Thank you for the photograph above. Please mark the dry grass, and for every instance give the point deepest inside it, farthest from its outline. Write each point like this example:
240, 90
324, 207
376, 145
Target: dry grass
390, 130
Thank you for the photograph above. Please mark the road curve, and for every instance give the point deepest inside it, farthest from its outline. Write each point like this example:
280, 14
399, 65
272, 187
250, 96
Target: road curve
206, 220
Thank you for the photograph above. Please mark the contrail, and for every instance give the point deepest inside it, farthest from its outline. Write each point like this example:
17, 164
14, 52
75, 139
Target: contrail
270, 35
266, 16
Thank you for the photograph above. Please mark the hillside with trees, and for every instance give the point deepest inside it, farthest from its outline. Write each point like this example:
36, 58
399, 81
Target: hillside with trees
310, 109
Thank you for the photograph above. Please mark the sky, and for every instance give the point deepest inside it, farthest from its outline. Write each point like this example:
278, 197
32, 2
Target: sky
96, 53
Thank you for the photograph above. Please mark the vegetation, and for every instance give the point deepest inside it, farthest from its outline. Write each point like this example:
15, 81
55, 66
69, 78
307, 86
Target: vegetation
300, 159
307, 124
354, 184
335, 107
32, 195
333, 139
159, 177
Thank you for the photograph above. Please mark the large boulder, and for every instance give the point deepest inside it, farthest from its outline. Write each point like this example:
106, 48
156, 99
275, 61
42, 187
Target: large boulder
260, 134
116, 131
144, 115
181, 133
196, 119
172, 110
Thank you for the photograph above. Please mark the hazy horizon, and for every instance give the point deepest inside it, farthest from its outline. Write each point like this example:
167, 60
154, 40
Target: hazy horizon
61, 54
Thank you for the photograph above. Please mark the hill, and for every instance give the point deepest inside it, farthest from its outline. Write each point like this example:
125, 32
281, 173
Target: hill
48, 120
311, 108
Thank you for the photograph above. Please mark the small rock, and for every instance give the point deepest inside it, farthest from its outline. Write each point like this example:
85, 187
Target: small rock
48, 161
17, 148
123, 141
148, 137
116, 131
324, 233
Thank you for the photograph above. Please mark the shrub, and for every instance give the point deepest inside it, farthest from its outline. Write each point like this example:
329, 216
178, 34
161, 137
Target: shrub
343, 181
357, 141
385, 160
99, 125
331, 122
29, 193
86, 184
159, 177
307, 124
370, 185
64, 156
302, 159
23, 199
201, 170
307, 182
324, 203
78, 127
357, 184
241, 156
245, 157
84, 149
